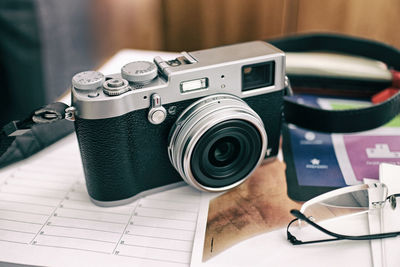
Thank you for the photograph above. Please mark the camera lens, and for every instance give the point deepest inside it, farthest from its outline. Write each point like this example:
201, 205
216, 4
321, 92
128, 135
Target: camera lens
224, 151
217, 142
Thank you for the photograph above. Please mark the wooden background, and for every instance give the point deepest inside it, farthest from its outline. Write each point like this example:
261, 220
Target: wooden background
185, 25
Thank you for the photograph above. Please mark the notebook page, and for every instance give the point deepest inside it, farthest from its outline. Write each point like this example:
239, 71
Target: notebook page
46, 218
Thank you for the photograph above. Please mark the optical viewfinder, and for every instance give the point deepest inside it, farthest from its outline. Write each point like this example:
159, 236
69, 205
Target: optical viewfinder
258, 75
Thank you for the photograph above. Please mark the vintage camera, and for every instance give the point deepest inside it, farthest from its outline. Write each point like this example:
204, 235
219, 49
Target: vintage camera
209, 117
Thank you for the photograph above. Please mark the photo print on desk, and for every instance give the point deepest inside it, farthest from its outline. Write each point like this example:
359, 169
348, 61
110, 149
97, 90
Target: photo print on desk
259, 205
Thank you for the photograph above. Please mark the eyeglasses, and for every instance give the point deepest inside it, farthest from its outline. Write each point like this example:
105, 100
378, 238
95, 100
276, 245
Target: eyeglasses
344, 214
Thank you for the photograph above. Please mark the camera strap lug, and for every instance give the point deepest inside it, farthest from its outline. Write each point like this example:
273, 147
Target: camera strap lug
70, 113
288, 87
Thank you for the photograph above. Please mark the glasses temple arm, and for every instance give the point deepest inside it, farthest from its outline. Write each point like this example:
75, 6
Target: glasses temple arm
301, 216
294, 241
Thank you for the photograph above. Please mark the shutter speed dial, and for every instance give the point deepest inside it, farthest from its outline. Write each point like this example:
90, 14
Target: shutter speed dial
141, 72
157, 112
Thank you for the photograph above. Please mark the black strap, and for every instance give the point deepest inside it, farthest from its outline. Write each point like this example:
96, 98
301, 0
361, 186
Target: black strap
342, 121
341, 44
20, 139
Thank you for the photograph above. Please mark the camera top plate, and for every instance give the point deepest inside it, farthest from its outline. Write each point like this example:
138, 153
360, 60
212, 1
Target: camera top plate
218, 70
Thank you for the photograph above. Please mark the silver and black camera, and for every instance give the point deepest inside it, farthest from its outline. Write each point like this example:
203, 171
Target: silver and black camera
209, 117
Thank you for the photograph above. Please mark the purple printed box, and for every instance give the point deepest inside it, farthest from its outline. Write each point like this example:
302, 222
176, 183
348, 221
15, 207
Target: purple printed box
366, 152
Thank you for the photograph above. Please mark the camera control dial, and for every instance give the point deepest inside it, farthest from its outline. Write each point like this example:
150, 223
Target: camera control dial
141, 72
157, 113
115, 86
88, 80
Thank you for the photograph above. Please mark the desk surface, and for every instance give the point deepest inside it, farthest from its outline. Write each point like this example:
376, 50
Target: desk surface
267, 186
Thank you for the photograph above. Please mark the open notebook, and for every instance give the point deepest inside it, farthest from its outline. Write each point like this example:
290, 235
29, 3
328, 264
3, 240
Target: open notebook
46, 218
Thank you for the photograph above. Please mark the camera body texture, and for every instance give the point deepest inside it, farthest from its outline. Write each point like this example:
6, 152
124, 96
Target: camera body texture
209, 117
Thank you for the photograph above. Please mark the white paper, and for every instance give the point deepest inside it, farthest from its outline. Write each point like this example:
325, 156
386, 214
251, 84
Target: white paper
376, 226
46, 218
273, 249
389, 174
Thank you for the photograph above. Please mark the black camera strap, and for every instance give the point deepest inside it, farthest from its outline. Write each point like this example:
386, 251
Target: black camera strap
341, 121
43, 127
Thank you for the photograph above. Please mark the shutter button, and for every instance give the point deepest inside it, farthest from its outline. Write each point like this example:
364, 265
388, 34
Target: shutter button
115, 86
157, 113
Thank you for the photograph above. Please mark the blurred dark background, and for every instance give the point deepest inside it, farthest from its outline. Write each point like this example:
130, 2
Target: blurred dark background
44, 42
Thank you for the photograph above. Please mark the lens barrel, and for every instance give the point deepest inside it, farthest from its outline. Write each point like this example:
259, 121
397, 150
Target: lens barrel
217, 142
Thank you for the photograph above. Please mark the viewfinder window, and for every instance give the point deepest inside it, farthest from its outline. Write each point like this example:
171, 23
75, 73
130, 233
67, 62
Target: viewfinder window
258, 75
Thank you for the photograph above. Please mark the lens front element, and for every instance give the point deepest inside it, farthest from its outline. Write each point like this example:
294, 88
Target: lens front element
224, 151
217, 142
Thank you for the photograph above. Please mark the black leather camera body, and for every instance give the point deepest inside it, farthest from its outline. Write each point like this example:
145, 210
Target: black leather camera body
209, 117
